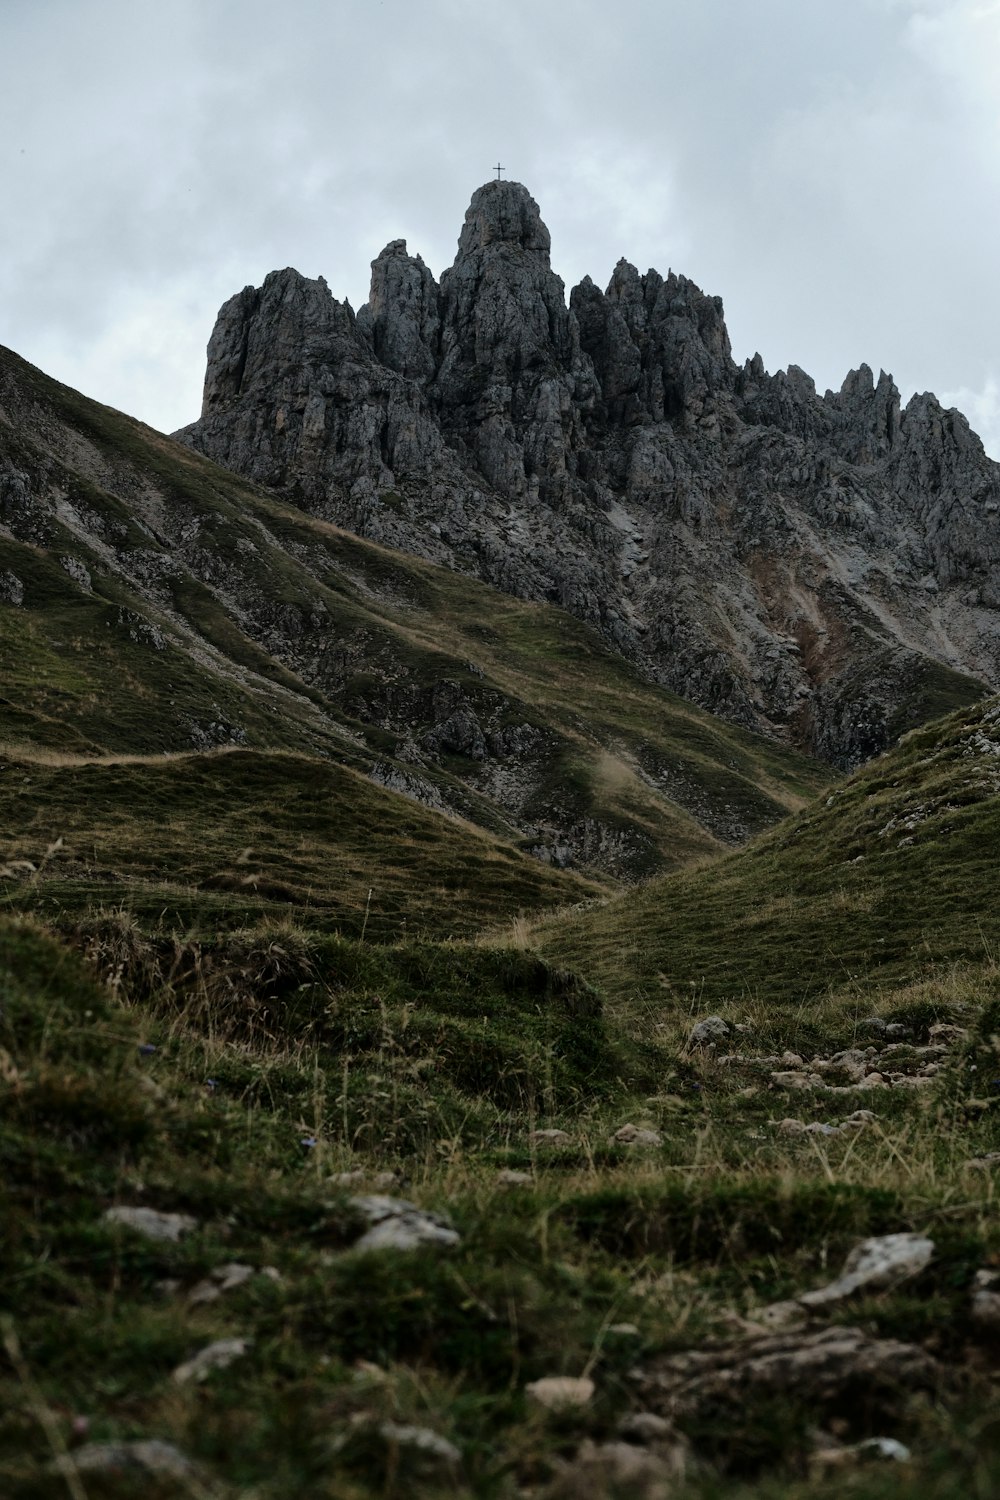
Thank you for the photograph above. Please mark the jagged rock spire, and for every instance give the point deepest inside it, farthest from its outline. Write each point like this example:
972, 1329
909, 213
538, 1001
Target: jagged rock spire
812, 565
401, 315
504, 213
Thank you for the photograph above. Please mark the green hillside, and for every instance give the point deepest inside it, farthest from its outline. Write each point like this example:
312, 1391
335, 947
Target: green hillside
157, 603
222, 839
886, 880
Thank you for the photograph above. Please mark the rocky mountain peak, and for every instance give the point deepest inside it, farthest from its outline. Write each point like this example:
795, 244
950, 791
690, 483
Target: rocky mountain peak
401, 315
825, 568
504, 213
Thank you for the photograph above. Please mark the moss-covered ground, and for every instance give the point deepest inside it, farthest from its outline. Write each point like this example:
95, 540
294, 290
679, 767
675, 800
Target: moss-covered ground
233, 1070
232, 1081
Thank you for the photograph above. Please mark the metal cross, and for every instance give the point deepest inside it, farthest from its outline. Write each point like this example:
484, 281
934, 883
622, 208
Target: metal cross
498, 169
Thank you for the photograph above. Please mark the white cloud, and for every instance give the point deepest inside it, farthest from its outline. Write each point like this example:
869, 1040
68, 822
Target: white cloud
831, 171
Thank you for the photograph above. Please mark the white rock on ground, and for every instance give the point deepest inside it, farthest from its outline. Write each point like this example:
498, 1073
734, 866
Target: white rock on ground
617, 1468
222, 1279
838, 1456
215, 1356
510, 1177
636, 1135
871, 1266
398, 1225
550, 1137
986, 1299
709, 1031
885, 1447
851, 1061
645, 1427
561, 1392
874, 1265
780, 1315
423, 1438
143, 1456
856, 1121
150, 1222
792, 1080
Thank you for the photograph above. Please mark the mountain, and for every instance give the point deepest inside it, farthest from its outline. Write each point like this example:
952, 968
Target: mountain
821, 568
154, 604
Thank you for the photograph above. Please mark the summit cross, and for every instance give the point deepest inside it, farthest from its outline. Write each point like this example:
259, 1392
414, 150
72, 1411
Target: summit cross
498, 169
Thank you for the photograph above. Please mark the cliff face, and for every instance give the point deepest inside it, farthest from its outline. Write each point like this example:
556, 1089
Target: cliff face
822, 567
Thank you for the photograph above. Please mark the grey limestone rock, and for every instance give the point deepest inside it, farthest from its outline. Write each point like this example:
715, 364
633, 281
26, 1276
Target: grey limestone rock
142, 1456
395, 1224
821, 567
636, 1135
401, 317
561, 1392
78, 571
150, 1223
618, 1468
11, 588
711, 1030
217, 1356
873, 1265
819, 1367
549, 1137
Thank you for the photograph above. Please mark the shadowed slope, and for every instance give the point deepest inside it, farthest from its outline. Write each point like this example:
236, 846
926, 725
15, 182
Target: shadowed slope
154, 602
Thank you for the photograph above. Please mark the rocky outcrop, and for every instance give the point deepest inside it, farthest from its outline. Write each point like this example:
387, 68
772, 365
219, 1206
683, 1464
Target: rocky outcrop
822, 567
835, 1372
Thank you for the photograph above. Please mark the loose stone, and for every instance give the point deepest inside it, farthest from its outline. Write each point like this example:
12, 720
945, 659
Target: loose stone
398, 1225
706, 1033
151, 1223
561, 1392
213, 1357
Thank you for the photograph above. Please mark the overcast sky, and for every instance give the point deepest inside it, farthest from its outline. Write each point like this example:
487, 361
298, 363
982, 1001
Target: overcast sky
831, 168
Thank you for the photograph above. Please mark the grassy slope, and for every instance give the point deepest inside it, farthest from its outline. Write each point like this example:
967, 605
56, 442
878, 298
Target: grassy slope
619, 727
86, 1120
372, 635
227, 1080
218, 839
887, 880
